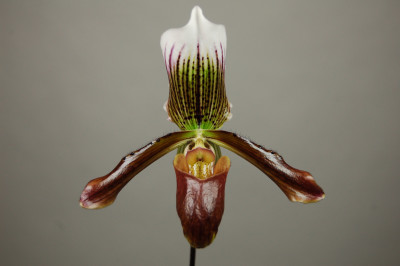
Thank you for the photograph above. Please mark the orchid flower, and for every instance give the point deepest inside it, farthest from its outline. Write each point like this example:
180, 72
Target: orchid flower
195, 61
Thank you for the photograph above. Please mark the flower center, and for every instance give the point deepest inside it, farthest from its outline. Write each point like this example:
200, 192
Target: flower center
200, 158
200, 162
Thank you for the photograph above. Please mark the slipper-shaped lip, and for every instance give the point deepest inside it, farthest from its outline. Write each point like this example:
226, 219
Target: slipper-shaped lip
200, 202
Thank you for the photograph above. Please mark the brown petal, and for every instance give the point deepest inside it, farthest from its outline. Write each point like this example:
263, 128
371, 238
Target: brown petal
102, 191
297, 185
200, 202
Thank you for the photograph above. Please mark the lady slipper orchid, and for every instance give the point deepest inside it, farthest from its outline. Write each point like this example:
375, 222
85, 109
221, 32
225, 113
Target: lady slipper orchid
195, 61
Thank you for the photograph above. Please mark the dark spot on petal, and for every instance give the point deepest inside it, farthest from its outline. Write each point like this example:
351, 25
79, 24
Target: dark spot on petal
191, 145
206, 145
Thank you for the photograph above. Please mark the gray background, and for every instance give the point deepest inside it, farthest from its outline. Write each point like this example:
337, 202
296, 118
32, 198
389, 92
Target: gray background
83, 83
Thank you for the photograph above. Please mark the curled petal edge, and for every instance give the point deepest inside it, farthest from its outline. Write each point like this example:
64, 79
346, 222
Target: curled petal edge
102, 191
298, 185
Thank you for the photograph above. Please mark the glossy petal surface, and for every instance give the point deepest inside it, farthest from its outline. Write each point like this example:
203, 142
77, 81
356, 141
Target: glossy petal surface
297, 185
102, 191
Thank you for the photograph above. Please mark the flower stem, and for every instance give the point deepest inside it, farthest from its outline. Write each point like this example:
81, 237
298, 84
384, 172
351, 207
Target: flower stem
192, 256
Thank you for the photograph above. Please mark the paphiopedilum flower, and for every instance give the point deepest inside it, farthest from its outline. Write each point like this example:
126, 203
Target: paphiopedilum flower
195, 61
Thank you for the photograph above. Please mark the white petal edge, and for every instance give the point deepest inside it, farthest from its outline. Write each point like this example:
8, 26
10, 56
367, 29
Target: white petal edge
199, 31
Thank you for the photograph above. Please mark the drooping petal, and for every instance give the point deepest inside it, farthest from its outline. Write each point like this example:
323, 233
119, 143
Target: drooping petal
200, 202
102, 191
195, 61
297, 185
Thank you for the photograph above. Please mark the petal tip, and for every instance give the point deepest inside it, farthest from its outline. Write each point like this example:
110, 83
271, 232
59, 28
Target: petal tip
93, 196
87, 204
197, 13
306, 197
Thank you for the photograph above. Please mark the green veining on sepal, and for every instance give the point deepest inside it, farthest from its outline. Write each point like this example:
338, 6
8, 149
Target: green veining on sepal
197, 98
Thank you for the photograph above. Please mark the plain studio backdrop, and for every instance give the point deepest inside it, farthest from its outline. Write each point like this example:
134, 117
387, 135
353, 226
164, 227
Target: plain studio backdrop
83, 83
